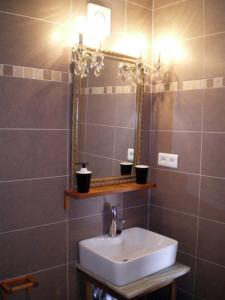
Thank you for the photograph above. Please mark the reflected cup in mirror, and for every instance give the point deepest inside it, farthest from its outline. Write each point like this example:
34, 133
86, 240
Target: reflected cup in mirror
126, 168
141, 173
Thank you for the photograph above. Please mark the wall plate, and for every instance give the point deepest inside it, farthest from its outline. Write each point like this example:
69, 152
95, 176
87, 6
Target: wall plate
168, 160
98, 20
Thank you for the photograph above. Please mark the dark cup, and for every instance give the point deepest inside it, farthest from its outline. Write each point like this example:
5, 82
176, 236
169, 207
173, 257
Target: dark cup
83, 182
126, 168
141, 174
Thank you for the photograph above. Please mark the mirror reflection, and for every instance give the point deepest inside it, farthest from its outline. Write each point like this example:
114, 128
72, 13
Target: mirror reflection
106, 122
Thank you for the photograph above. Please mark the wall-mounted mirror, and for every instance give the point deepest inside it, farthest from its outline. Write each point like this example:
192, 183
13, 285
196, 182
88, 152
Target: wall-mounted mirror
107, 121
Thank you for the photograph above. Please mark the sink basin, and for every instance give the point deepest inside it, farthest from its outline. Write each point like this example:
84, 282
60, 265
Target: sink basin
134, 254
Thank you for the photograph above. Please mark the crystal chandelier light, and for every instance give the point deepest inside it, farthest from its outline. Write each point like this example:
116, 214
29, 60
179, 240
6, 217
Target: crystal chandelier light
140, 72
85, 59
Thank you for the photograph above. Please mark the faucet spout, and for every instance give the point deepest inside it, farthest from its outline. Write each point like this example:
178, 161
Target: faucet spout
114, 230
113, 224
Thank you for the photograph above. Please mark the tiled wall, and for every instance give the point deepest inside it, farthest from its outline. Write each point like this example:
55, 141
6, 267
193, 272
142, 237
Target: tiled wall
189, 203
36, 234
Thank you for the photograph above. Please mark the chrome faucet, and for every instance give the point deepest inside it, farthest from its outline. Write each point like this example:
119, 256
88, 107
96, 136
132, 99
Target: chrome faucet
116, 223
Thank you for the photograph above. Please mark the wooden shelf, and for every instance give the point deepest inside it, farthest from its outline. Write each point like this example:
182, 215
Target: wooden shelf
105, 190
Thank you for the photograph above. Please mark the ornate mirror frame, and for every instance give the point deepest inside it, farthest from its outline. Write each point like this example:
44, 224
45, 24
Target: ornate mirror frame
76, 92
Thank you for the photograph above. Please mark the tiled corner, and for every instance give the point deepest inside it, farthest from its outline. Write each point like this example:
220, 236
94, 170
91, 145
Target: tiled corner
139, 21
214, 64
161, 3
209, 281
214, 16
212, 201
213, 158
214, 110
211, 249
145, 3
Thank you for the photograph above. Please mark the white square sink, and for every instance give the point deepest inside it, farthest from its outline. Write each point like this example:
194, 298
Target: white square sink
134, 254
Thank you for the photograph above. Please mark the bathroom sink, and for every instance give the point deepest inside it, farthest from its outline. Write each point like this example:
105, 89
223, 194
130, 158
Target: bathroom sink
134, 254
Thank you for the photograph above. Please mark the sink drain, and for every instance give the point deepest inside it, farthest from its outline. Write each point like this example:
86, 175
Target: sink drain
126, 259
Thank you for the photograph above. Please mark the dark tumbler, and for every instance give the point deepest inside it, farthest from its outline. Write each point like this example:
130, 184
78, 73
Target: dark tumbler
141, 174
83, 182
125, 168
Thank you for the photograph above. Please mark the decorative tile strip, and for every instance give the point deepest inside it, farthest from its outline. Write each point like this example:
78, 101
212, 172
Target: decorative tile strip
121, 89
33, 73
58, 76
159, 87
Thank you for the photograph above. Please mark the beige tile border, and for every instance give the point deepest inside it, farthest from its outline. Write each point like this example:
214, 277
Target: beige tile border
212, 83
57, 76
33, 73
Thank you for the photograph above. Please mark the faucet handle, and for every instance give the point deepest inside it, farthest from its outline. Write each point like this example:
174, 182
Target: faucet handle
120, 222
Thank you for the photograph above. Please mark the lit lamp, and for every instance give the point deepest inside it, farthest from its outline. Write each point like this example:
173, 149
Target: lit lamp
141, 72
98, 27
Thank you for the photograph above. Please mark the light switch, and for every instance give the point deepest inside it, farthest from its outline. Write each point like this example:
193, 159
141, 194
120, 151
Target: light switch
168, 160
130, 154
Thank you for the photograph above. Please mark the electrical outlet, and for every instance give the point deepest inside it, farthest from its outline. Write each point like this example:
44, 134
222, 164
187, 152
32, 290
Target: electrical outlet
130, 154
168, 160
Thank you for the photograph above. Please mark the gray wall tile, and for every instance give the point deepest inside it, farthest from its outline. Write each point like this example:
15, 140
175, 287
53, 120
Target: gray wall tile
30, 154
209, 281
214, 16
50, 10
211, 242
174, 225
212, 202
177, 111
175, 191
33, 43
213, 158
33, 249
181, 143
214, 110
214, 56
23, 203
32, 104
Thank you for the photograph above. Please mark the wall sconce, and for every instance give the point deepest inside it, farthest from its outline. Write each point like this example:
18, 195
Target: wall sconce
98, 27
85, 59
140, 73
